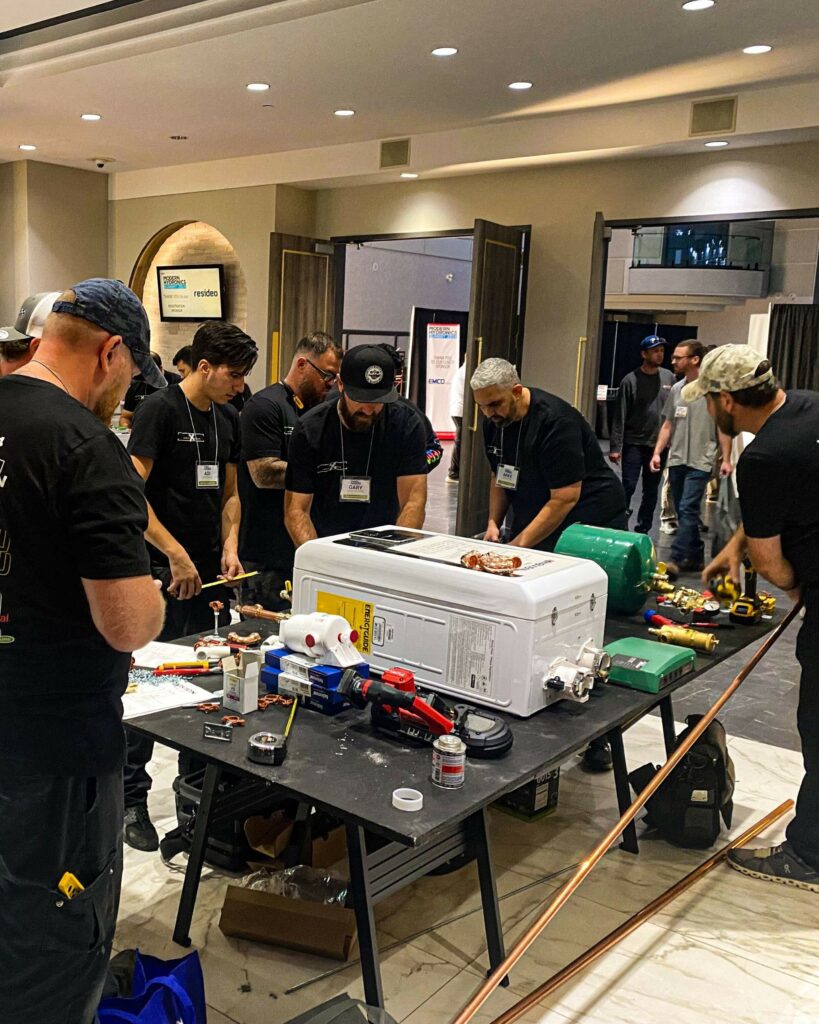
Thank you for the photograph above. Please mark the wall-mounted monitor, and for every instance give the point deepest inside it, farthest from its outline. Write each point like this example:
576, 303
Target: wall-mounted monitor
192, 293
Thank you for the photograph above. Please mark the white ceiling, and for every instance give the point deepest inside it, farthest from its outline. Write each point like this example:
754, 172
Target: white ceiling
14, 14
185, 73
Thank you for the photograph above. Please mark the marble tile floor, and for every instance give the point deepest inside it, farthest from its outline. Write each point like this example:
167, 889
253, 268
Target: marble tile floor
731, 949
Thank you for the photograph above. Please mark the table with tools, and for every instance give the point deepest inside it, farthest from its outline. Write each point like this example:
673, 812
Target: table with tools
341, 765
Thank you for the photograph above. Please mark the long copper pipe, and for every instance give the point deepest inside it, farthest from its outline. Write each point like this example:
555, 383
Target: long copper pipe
563, 894
634, 922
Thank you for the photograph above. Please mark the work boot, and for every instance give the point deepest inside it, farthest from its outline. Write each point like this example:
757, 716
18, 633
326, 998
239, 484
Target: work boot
668, 526
139, 832
597, 756
776, 864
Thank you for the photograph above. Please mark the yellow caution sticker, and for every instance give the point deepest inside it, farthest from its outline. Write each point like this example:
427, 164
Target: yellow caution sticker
358, 613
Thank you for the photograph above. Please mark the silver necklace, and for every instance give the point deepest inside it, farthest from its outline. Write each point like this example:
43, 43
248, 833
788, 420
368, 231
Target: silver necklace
45, 366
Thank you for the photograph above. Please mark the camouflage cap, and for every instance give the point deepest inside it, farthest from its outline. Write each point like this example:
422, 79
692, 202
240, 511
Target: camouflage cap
729, 368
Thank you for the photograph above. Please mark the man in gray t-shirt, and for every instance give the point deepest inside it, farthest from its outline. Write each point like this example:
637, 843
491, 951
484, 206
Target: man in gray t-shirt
694, 444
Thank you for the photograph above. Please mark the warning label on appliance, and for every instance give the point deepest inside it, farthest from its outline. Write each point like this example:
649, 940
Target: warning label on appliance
359, 614
471, 654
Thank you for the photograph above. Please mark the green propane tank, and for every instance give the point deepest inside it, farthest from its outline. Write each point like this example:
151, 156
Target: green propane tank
627, 559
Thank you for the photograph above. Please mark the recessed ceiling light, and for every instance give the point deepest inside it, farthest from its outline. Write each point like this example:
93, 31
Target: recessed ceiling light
408, 174
178, 138
344, 112
698, 5
91, 117
760, 48
27, 147
444, 51
520, 85
716, 145
257, 86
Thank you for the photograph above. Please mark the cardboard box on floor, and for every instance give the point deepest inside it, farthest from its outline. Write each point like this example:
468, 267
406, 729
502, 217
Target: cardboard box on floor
325, 929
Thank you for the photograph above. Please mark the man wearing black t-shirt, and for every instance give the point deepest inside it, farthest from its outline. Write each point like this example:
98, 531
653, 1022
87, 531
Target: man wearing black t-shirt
185, 445
267, 423
72, 557
776, 477
358, 461
547, 467
140, 389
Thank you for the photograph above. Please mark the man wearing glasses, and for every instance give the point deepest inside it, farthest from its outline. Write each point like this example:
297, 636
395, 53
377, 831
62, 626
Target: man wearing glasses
267, 423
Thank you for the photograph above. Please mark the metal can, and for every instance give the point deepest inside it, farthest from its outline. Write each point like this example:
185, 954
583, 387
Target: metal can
448, 762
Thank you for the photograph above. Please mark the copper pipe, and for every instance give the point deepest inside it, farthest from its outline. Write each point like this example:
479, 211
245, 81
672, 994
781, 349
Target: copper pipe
563, 894
634, 922
255, 611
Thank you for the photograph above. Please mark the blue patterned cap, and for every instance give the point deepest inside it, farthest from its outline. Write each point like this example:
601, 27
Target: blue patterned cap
112, 306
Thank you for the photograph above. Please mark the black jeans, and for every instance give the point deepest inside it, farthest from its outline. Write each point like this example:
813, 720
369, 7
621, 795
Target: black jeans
455, 461
635, 459
803, 831
54, 951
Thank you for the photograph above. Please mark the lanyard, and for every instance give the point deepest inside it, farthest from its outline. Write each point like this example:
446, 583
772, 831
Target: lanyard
341, 438
193, 431
517, 447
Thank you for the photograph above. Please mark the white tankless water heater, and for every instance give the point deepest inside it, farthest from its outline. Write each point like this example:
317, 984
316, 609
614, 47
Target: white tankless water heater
514, 643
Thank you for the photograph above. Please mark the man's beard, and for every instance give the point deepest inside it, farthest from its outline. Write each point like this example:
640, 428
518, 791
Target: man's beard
357, 422
106, 404
725, 422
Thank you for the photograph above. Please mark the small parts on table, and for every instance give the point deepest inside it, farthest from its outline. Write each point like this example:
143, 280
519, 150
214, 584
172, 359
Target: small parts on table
274, 698
246, 640
209, 707
491, 562
232, 720
215, 607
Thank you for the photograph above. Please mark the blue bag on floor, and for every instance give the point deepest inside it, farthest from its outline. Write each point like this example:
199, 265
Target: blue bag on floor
163, 992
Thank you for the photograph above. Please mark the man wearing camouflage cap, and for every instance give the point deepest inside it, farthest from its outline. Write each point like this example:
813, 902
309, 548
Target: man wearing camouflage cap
776, 477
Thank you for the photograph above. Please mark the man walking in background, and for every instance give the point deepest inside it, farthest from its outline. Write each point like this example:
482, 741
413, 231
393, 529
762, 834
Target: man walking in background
642, 397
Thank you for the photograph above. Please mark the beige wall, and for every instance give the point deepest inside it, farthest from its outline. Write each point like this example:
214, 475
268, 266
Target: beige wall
244, 216
559, 203
295, 211
8, 298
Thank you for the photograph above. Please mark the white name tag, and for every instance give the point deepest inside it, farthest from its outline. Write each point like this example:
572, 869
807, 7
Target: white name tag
507, 477
681, 412
207, 475
354, 488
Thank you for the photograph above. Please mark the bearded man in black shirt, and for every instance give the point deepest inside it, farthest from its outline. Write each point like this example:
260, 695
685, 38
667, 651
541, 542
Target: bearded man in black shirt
77, 599
776, 477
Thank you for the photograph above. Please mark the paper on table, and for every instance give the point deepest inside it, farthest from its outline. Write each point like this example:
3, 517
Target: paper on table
167, 692
154, 654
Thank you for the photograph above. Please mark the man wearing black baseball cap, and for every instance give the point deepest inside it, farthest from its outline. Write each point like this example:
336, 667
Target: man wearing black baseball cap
77, 599
357, 461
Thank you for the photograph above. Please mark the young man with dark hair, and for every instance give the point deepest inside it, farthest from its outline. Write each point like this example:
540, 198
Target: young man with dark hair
779, 533
694, 444
185, 445
183, 361
642, 396
267, 422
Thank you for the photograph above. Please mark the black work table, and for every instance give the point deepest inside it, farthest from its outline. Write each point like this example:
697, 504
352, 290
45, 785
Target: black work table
341, 765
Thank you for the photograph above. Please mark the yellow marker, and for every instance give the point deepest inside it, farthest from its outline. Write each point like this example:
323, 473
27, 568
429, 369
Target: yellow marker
70, 885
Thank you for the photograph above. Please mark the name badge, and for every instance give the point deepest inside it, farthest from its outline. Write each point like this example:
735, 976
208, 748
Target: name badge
207, 475
680, 412
507, 477
354, 488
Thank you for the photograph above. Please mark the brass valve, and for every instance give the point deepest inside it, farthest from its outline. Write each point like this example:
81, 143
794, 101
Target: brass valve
684, 637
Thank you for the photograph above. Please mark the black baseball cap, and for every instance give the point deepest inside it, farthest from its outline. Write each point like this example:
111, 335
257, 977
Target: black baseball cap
368, 375
112, 306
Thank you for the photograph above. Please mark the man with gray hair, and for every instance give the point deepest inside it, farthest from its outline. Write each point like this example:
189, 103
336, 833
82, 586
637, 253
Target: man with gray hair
547, 468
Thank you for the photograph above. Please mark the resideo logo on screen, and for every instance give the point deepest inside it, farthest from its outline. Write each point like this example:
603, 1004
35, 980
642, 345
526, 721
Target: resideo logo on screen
191, 293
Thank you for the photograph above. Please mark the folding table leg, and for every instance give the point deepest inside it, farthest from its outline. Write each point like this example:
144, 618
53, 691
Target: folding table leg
364, 916
618, 756
196, 857
479, 829
669, 728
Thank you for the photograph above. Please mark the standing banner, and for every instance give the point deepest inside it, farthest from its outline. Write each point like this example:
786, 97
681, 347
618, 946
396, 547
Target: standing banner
443, 359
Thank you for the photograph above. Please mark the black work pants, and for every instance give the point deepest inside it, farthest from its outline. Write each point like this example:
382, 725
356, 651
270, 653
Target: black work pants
635, 460
54, 951
803, 831
265, 589
455, 461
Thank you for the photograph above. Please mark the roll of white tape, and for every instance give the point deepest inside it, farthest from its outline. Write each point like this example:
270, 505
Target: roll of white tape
212, 653
407, 799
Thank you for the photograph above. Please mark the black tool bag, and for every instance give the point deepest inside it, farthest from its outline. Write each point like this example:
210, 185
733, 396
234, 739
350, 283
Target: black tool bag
686, 809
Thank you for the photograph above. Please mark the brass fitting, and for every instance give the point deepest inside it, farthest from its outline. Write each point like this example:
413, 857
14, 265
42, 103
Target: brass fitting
683, 637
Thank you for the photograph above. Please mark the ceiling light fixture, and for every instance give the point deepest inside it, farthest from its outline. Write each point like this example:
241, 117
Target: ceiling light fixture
27, 147
344, 112
520, 85
408, 174
698, 5
444, 51
716, 145
758, 48
257, 86
91, 117
178, 138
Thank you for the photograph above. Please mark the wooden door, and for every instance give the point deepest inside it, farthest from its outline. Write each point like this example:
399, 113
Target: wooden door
495, 329
589, 348
302, 296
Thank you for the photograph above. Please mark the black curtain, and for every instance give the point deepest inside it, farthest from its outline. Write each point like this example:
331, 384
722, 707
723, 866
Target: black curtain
793, 346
